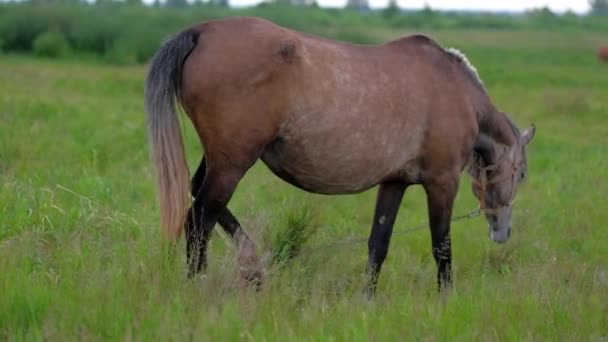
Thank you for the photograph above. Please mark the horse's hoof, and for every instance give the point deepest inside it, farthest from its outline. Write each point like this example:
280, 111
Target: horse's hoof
370, 292
251, 278
251, 271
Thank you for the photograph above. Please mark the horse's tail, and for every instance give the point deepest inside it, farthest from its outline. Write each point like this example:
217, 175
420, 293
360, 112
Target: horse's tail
163, 85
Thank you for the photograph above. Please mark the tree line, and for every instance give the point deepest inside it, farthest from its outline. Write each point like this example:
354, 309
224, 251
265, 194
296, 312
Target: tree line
129, 32
597, 7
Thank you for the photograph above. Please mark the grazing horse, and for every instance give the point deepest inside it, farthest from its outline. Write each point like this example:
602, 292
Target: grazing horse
329, 118
602, 54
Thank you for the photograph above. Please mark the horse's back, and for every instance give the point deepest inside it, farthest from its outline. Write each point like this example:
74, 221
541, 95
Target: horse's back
249, 52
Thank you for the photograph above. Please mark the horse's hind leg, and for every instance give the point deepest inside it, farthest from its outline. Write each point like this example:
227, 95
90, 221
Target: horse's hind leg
387, 206
211, 198
228, 222
250, 268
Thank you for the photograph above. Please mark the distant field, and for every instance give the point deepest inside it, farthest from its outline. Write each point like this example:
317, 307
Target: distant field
80, 251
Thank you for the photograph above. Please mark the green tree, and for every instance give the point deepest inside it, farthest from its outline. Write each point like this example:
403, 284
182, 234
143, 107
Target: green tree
361, 5
392, 9
56, 1
105, 2
219, 2
599, 7
177, 3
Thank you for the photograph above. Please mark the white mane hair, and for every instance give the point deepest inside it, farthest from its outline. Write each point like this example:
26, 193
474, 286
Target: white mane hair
464, 60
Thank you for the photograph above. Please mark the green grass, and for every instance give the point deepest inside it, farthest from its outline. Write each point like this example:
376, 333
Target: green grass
81, 255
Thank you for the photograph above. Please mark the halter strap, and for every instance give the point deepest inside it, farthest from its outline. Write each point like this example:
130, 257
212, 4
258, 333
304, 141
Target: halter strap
483, 183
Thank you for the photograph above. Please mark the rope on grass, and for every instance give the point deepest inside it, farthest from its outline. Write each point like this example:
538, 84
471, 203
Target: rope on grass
356, 240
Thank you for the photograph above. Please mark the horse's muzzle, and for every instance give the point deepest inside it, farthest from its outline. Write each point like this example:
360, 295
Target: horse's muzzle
500, 235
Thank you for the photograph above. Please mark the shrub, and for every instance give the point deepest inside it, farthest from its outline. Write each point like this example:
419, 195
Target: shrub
50, 44
121, 52
135, 46
354, 36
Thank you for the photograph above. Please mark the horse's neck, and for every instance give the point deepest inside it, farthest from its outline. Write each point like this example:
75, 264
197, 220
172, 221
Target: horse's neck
492, 123
496, 126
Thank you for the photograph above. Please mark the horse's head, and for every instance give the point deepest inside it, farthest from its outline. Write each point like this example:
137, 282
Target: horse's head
497, 171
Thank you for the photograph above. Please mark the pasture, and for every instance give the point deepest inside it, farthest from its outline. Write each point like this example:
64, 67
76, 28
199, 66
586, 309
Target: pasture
81, 255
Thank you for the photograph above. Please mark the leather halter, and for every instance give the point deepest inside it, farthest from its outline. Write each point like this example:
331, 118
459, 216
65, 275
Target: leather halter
483, 183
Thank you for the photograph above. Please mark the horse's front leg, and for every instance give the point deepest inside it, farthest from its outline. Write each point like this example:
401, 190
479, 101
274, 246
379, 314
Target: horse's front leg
387, 206
440, 200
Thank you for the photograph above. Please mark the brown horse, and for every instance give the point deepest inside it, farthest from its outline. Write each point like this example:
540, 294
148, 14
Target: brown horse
602, 53
329, 118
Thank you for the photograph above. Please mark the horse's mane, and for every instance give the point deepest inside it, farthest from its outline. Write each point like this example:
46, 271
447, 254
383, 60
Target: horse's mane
513, 126
470, 70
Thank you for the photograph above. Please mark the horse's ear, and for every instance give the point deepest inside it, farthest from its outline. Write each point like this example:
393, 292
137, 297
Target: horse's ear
528, 134
484, 146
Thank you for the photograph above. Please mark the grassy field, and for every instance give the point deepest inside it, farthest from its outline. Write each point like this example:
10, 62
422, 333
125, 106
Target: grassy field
81, 256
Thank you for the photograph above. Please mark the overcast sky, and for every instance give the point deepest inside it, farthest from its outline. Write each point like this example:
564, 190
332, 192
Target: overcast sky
579, 6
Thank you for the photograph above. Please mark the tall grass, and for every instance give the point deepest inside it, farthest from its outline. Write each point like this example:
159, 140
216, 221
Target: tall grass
286, 243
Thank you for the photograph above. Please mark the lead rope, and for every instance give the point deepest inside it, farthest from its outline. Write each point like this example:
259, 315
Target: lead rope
346, 242
483, 182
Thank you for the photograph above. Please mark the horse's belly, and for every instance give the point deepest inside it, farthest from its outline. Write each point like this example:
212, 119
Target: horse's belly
321, 176
338, 164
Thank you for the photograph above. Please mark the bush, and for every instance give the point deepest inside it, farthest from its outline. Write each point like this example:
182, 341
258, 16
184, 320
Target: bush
50, 44
354, 36
121, 52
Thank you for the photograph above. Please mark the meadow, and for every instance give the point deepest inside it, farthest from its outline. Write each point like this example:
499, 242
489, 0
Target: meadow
81, 255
